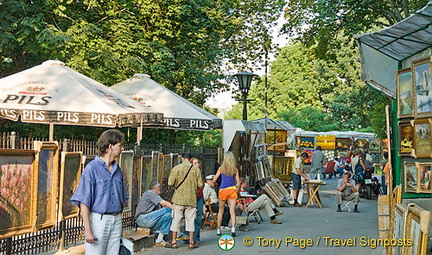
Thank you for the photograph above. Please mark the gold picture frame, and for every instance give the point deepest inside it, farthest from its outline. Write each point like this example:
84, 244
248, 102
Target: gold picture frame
18, 168
422, 138
47, 157
406, 138
70, 174
422, 87
424, 177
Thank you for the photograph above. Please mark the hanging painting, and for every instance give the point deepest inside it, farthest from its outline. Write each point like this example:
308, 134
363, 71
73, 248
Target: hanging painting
422, 88
405, 93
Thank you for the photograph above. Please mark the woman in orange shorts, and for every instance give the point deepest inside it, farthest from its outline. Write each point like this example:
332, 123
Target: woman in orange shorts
228, 189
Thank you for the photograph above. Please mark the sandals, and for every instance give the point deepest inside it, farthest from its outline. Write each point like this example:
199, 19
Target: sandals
193, 246
171, 245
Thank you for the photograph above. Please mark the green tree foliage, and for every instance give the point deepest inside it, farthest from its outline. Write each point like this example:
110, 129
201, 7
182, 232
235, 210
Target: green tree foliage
182, 44
316, 94
317, 21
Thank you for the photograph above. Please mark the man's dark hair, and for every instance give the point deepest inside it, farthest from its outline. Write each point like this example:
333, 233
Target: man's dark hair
386, 155
319, 148
348, 173
110, 136
304, 155
186, 155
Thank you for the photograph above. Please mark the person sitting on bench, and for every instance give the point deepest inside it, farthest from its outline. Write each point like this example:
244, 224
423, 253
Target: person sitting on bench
154, 212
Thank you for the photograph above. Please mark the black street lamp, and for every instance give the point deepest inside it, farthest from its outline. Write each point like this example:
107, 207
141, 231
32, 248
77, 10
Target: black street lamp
245, 81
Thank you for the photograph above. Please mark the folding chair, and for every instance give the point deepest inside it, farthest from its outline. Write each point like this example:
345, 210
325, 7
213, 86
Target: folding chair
257, 216
347, 204
210, 218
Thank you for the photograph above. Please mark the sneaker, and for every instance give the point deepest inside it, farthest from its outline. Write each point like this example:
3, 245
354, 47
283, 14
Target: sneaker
226, 228
275, 221
356, 210
181, 236
161, 243
278, 213
218, 232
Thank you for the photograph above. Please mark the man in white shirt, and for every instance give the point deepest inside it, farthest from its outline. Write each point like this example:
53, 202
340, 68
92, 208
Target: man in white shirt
347, 190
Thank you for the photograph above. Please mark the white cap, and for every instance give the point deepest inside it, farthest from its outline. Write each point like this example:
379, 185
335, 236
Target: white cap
210, 177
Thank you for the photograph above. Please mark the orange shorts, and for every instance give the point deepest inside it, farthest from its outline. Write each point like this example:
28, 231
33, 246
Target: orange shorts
228, 193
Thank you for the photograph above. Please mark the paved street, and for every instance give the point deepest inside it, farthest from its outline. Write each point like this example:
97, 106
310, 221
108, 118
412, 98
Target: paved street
326, 231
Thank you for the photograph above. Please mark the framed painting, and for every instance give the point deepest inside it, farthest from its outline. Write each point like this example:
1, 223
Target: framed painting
146, 175
411, 177
47, 157
374, 145
277, 138
399, 226
18, 191
361, 144
327, 142
405, 93
155, 165
70, 174
126, 165
406, 138
136, 180
306, 142
422, 138
343, 144
416, 229
422, 87
425, 174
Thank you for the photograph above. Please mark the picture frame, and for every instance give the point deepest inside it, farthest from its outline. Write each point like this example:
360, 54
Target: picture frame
327, 142
145, 173
47, 157
399, 226
405, 93
70, 173
136, 181
126, 165
374, 145
277, 137
422, 138
422, 87
305, 142
411, 177
343, 144
416, 229
18, 168
361, 144
406, 138
424, 175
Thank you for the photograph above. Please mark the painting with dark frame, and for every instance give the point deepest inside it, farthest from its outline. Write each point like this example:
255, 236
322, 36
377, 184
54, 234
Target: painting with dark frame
126, 165
405, 93
361, 144
422, 138
374, 145
146, 174
406, 138
70, 174
425, 171
422, 87
47, 155
18, 168
411, 177
136, 180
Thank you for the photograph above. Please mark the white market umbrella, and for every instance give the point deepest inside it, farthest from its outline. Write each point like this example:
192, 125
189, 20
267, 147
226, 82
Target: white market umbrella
53, 93
178, 112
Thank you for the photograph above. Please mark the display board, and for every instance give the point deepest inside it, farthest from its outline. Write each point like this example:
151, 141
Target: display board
70, 174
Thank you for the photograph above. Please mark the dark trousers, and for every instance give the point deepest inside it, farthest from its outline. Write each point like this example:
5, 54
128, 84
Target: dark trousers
226, 213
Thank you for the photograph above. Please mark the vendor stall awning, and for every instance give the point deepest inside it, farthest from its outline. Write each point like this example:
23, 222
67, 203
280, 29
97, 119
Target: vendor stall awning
382, 50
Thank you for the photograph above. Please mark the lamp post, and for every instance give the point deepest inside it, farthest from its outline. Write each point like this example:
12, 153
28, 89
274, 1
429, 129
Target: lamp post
245, 81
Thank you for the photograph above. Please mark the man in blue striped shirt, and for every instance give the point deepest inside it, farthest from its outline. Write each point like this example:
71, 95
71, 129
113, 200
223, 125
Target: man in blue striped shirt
100, 196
